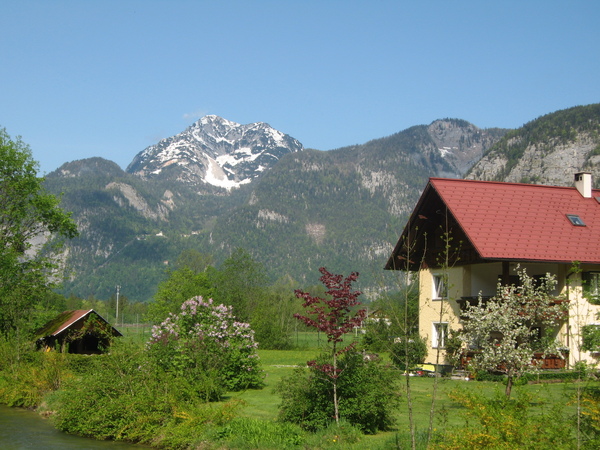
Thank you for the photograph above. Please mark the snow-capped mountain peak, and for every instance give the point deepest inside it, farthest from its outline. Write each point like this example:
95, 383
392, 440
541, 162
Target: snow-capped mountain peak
215, 151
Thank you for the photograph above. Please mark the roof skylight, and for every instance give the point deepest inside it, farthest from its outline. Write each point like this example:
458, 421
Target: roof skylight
576, 220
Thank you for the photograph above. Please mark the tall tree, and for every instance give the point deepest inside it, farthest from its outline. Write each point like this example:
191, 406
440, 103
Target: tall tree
29, 218
334, 317
241, 282
182, 284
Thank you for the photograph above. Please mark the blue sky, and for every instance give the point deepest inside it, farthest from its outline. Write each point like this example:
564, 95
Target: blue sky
109, 78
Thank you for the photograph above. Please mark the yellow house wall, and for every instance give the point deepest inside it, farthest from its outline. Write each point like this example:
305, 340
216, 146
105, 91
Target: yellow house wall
581, 312
432, 310
482, 279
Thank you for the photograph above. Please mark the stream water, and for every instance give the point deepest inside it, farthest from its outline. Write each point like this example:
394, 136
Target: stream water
23, 429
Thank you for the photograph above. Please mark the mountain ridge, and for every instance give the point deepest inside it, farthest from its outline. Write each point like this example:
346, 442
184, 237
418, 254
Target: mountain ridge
342, 208
216, 152
547, 150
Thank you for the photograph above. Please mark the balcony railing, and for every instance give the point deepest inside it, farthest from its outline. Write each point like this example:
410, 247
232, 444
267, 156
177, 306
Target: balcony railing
463, 303
549, 362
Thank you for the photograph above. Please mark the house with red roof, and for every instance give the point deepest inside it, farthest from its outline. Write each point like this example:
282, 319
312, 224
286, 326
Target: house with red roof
81, 331
465, 236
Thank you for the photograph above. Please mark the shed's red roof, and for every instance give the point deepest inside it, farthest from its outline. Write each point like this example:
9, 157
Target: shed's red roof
64, 320
523, 221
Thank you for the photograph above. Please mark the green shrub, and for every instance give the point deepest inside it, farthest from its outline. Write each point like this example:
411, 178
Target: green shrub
126, 397
206, 342
484, 375
414, 349
344, 435
120, 399
503, 423
24, 381
541, 376
82, 364
590, 418
366, 390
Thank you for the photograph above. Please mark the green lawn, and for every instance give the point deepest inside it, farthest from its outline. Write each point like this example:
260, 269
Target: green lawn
264, 403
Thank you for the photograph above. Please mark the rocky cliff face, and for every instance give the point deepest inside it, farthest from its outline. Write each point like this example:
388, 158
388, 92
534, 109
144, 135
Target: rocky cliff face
397, 167
461, 143
548, 150
544, 163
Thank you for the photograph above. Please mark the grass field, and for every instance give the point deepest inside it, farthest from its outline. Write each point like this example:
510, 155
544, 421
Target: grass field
263, 404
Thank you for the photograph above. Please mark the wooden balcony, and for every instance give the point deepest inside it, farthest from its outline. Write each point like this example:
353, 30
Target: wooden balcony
550, 362
464, 302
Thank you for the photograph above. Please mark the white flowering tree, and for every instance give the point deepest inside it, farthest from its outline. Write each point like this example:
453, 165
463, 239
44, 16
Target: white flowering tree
506, 330
205, 338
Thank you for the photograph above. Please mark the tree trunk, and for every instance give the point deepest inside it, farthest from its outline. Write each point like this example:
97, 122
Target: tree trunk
335, 403
335, 397
509, 383
411, 423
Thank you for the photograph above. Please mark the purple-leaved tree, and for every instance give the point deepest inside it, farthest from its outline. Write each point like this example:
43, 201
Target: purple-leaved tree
334, 317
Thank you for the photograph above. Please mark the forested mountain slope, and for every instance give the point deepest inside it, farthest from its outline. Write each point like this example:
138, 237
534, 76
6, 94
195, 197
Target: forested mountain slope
342, 209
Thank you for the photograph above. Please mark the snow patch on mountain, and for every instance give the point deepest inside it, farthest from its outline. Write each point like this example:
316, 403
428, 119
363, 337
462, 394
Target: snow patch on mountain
446, 151
216, 176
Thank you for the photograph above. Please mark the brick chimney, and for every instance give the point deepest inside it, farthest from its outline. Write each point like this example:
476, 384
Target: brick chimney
583, 183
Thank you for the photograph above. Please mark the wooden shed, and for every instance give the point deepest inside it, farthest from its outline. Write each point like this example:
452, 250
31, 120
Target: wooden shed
80, 331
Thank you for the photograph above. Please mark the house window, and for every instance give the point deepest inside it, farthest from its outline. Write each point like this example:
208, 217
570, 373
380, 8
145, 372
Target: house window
439, 334
591, 286
440, 286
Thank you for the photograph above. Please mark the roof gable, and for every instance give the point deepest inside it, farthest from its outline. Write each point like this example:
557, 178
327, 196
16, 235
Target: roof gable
515, 221
66, 319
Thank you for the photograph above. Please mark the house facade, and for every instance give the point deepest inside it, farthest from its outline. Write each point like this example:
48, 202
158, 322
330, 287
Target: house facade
465, 237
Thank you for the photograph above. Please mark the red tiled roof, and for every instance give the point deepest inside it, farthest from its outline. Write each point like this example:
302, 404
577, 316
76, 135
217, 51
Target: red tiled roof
524, 221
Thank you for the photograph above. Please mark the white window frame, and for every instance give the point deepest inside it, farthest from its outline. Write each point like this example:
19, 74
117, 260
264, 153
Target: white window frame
436, 336
440, 286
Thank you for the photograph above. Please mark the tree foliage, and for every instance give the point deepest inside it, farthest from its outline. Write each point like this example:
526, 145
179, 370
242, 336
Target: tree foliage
367, 395
206, 341
334, 317
28, 216
393, 315
506, 329
240, 283
181, 285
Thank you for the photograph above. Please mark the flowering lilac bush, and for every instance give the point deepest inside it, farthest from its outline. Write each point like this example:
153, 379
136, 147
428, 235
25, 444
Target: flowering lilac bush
207, 342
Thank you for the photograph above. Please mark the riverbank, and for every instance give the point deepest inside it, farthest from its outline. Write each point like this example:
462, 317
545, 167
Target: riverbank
25, 429
110, 397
